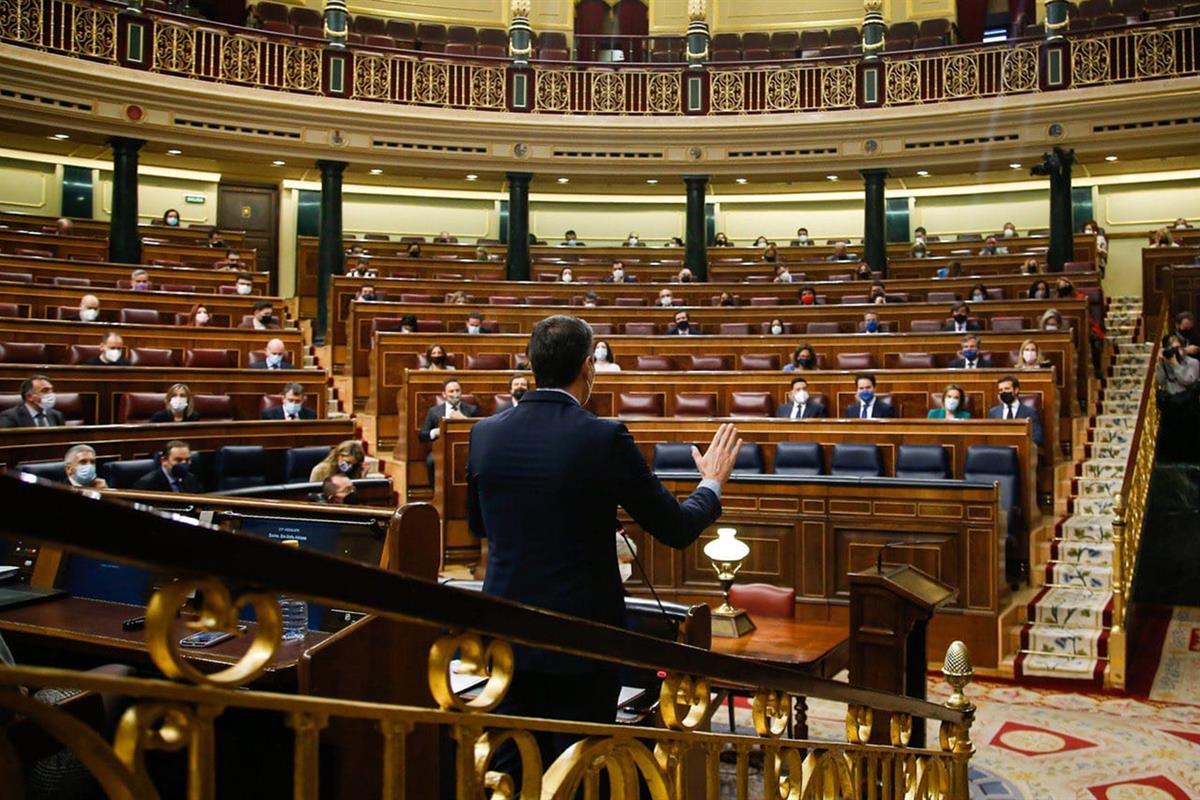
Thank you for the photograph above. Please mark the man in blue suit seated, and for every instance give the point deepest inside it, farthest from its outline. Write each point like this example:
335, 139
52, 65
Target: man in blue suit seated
867, 406
800, 405
1011, 406
293, 407
544, 480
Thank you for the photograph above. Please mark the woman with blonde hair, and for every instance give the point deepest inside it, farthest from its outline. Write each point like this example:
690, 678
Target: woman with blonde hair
348, 459
1030, 356
179, 406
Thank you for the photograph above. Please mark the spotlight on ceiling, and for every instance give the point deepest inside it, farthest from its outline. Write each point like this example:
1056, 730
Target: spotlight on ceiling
278, 163
174, 152
377, 171
922, 173
1110, 158
472, 177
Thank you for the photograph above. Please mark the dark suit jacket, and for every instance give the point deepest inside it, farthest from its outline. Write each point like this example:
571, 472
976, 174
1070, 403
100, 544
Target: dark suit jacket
676, 332
812, 410
1023, 412
249, 323
433, 418
165, 415
96, 361
263, 365
276, 412
972, 325
19, 417
882, 410
982, 362
156, 481
628, 279
544, 481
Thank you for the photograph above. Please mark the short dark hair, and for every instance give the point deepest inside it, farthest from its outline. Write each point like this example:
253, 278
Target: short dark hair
957, 306
1010, 379
293, 388
476, 315
557, 349
261, 304
245, 276
571, 233
1183, 316
618, 263
865, 376
967, 337
27, 384
449, 381
799, 379
409, 319
171, 445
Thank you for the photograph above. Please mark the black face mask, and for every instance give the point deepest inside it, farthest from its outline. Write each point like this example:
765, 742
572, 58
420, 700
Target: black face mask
369, 296
960, 317
686, 279
1065, 291
683, 326
517, 394
181, 470
727, 302
266, 319
807, 362
1007, 398
439, 360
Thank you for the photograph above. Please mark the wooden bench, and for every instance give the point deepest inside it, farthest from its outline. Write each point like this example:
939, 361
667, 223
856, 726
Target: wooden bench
105, 274
45, 301
152, 249
910, 392
99, 229
101, 388
63, 247
1154, 261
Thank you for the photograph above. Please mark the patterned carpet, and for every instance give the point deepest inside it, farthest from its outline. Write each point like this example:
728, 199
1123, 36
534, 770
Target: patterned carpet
1178, 677
1042, 745
1066, 636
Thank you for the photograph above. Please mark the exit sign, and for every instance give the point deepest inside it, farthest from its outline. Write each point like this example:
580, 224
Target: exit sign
194, 199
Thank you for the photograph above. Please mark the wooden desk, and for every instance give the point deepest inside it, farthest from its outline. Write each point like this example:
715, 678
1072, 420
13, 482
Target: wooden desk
92, 629
44, 301
105, 274
819, 649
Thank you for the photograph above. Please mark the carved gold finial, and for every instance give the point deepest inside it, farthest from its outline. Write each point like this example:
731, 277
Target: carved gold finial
873, 5
696, 10
520, 8
958, 672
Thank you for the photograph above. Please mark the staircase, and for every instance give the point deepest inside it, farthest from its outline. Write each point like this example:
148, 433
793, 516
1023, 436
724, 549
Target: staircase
1068, 620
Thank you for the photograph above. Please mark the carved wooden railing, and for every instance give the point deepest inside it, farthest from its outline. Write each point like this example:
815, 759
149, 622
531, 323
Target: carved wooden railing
186, 710
174, 45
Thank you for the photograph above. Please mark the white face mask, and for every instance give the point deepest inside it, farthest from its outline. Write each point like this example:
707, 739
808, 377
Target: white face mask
244, 288
802, 238
951, 404
112, 354
666, 300
291, 409
1180, 226
89, 314
800, 396
633, 239
1009, 233
201, 318
1030, 356
601, 354
618, 273
179, 404
473, 329
48, 401
920, 240
776, 329
1050, 326
567, 278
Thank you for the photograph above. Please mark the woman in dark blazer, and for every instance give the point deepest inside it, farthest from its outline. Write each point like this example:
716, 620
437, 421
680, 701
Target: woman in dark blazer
179, 406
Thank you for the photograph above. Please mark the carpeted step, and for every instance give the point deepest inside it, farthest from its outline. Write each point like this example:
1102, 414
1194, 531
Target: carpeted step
1102, 468
1092, 506
1057, 640
1081, 575
1071, 607
1086, 528
1093, 553
1047, 665
1098, 487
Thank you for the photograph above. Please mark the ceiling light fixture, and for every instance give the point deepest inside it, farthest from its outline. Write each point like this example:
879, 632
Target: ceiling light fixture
1110, 158
831, 177
922, 173
564, 180
1014, 165
377, 171
174, 152
61, 136
472, 177
652, 181
742, 181
278, 163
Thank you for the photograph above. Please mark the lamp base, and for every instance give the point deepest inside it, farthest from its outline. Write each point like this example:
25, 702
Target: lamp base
731, 624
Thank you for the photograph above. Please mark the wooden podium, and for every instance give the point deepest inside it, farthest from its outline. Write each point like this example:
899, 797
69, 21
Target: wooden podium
890, 607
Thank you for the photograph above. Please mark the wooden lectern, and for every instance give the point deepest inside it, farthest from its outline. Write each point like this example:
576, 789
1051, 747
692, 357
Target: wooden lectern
890, 607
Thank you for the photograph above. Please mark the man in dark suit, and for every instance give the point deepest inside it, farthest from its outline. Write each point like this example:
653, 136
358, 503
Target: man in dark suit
451, 406
970, 357
173, 473
800, 406
1011, 407
682, 326
293, 407
618, 274
543, 484
37, 408
867, 406
474, 323
263, 318
960, 321
276, 357
112, 353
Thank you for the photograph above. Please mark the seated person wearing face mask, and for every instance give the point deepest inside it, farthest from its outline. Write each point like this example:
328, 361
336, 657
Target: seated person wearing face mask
292, 407
960, 320
776, 327
570, 239
808, 296
1009, 390
517, 387
684, 276
867, 406
179, 406
1052, 320
953, 400
618, 274
682, 326
971, 358
802, 239
244, 284
367, 293
474, 323
337, 490
348, 459
603, 358
633, 240
140, 280
804, 358
89, 308
170, 217
276, 357
173, 473
451, 407
112, 353
263, 318
800, 405
990, 248
870, 322
1030, 356
80, 466
38, 409
665, 298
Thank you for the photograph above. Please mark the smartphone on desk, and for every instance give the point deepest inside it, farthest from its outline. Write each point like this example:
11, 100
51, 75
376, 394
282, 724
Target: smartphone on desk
207, 638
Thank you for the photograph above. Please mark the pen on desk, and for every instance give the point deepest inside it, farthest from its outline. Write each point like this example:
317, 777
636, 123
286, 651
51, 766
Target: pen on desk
134, 624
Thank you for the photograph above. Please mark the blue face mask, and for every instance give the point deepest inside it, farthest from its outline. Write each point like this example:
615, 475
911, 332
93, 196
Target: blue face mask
969, 355
866, 395
274, 360
85, 473
872, 325
291, 408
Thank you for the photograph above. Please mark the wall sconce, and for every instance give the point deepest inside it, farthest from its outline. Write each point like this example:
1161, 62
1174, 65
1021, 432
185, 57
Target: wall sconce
727, 553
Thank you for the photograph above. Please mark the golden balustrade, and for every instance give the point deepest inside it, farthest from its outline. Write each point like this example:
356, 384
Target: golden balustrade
90, 29
184, 711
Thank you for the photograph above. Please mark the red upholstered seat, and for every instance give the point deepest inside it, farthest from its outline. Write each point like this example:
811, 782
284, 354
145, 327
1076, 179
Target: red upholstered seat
910, 361
1078, 266
214, 407
763, 599
30, 251
764, 301
711, 362
603, 328
79, 353
408, 297
823, 327
851, 299
656, 363
139, 316
735, 328
942, 297
695, 404
926, 326
489, 361
639, 404
630, 301
10, 310
208, 358
430, 326
543, 300
22, 353
459, 49
751, 404
1008, 323
431, 37
503, 300
16, 277
185, 288
151, 357
639, 328
63, 280
758, 362
137, 407
855, 361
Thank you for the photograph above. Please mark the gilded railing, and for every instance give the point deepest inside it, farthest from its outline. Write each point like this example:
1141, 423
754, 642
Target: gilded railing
185, 710
1129, 511
175, 45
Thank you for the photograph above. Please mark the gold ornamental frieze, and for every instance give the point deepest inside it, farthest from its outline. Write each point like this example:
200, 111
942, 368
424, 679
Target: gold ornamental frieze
21, 20
302, 68
1019, 71
662, 92
174, 48
903, 82
838, 86
430, 83
608, 92
783, 89
552, 90
961, 76
487, 87
1089, 61
372, 77
727, 91
240, 58
1155, 53
94, 33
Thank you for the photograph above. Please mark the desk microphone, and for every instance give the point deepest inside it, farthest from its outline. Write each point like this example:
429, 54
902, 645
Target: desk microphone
898, 543
646, 578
